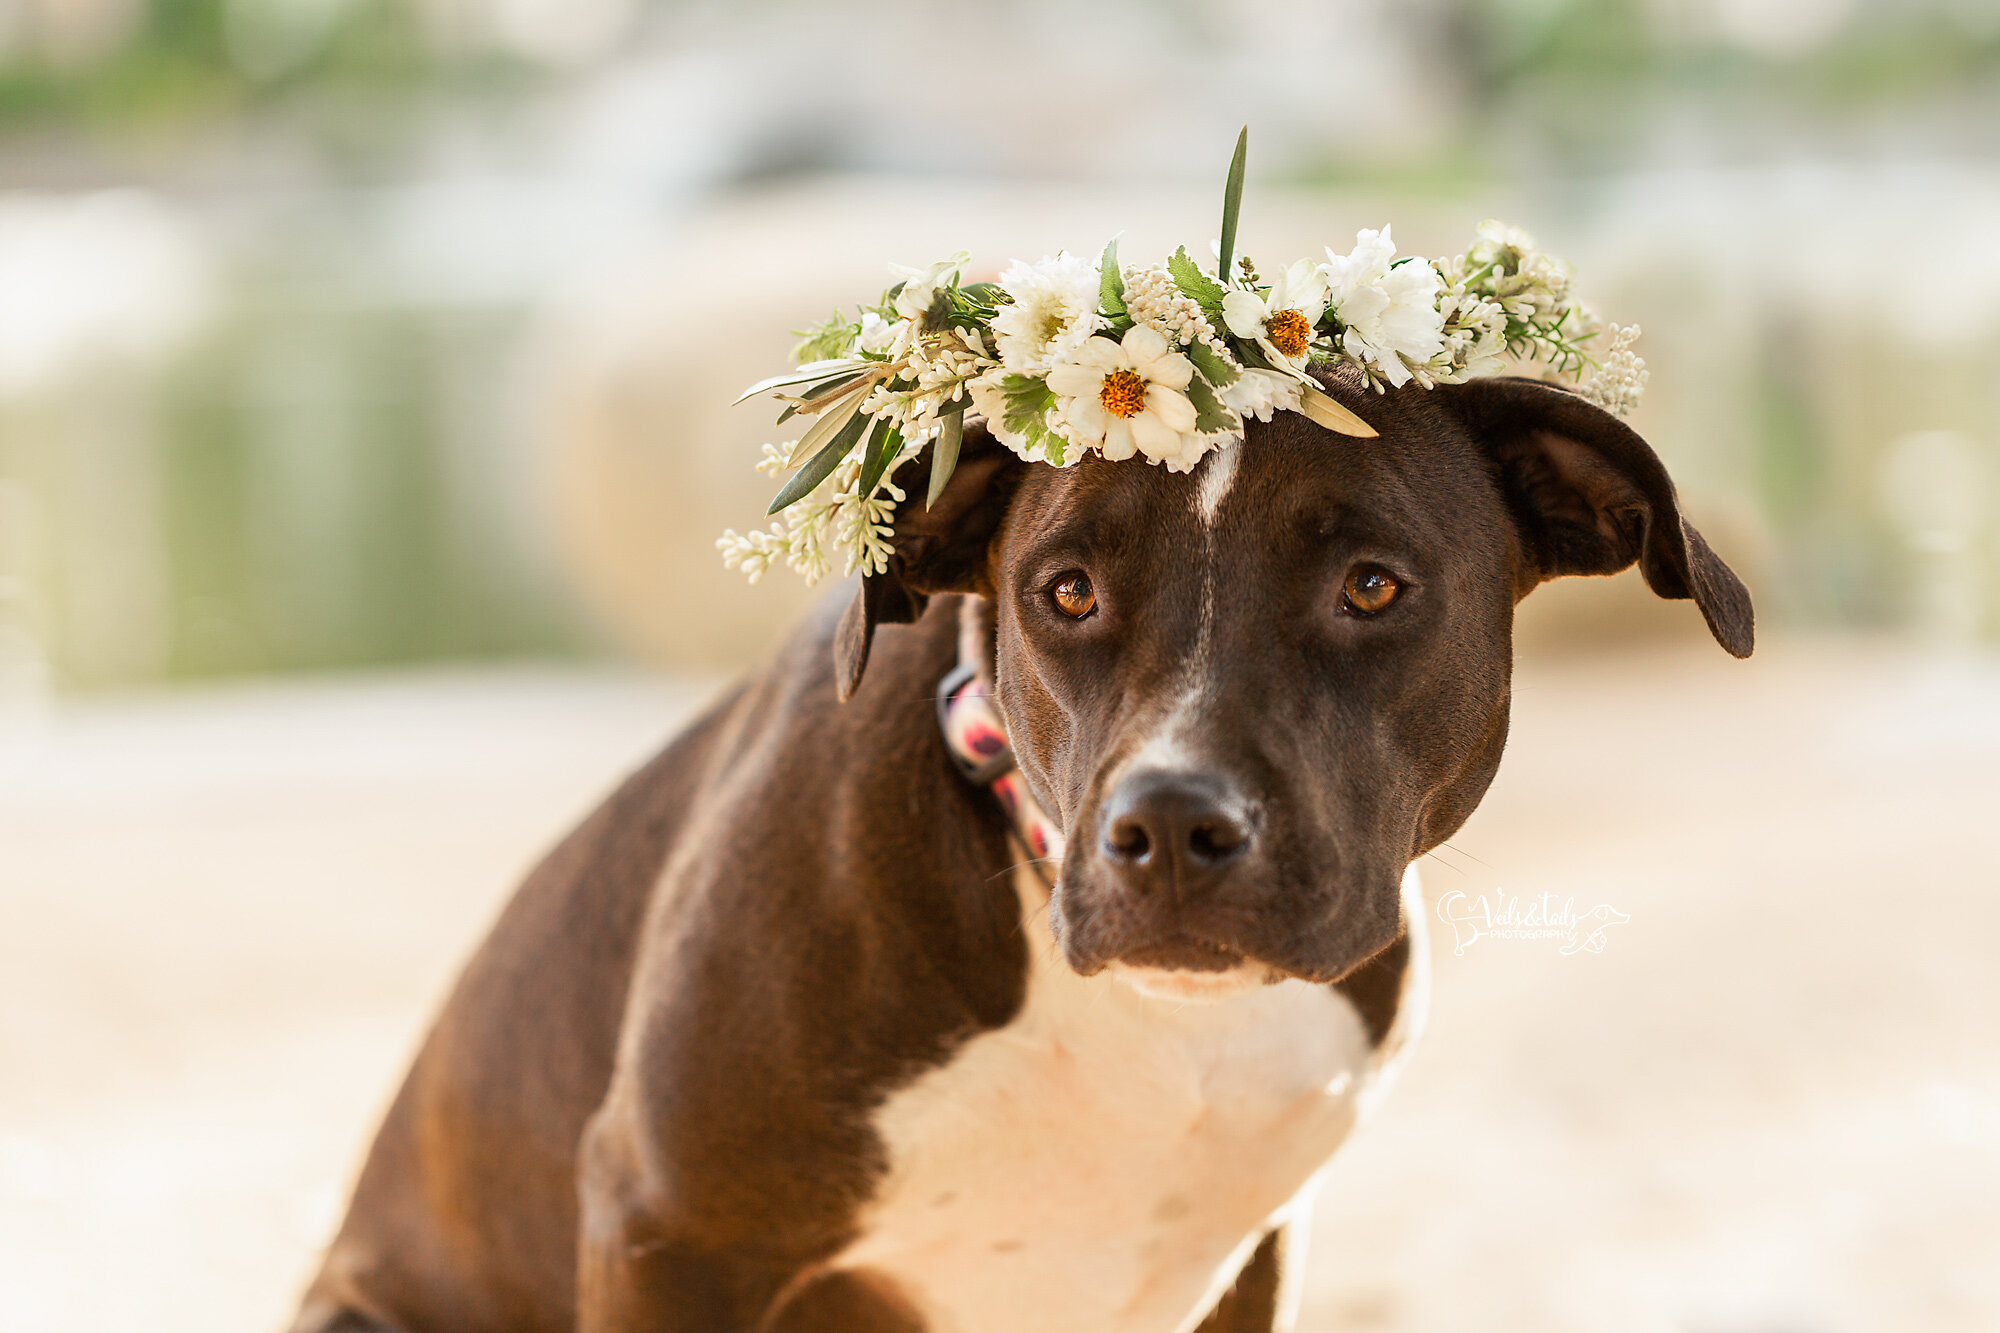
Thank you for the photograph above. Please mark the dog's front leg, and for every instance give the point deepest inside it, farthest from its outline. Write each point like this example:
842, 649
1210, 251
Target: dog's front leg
661, 1290
627, 1284
633, 1275
668, 1246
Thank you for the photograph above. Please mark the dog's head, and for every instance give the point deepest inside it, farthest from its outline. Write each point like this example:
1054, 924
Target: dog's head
1251, 695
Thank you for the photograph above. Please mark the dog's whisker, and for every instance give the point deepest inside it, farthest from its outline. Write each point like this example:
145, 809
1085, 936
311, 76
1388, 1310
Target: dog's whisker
1433, 856
1460, 851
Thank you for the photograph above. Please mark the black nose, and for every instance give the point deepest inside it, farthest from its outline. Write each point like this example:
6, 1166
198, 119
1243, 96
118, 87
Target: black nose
1174, 831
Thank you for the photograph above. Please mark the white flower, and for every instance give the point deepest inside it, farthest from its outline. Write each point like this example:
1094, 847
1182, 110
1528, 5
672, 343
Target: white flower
940, 365
1475, 331
1260, 394
1127, 396
865, 525
1044, 354
1282, 320
1521, 273
1054, 310
877, 334
1388, 311
1621, 377
1154, 299
920, 286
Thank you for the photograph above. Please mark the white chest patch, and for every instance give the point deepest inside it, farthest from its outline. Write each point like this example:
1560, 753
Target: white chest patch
1106, 1162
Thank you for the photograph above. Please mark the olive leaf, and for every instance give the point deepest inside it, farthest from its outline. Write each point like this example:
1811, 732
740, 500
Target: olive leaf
944, 453
884, 443
806, 374
831, 420
807, 478
1322, 409
819, 395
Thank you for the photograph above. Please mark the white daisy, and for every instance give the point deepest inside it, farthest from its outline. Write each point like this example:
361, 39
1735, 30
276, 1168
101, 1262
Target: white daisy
1282, 320
1127, 396
1054, 311
1260, 394
1388, 311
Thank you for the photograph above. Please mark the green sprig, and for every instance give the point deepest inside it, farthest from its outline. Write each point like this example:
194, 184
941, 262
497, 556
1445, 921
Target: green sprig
1196, 285
1111, 288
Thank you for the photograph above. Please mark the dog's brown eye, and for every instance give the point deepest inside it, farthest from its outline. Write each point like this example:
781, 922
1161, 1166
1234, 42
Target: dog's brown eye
1370, 588
1073, 596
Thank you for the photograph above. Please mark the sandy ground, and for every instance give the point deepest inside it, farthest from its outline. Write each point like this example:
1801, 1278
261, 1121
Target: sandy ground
1770, 1104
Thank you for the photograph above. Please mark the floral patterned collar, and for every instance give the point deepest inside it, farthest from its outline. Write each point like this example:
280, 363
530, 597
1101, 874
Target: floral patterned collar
976, 736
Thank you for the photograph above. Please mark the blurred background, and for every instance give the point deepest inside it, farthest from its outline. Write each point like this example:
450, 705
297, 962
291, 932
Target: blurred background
364, 370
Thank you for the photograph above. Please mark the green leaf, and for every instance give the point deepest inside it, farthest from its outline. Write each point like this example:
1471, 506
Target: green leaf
1194, 283
1209, 413
1110, 282
1232, 202
944, 453
986, 293
974, 305
1250, 354
807, 478
884, 443
1028, 400
1211, 365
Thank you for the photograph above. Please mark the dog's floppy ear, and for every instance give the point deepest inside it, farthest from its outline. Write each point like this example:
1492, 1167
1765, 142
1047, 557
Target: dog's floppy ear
1590, 497
938, 548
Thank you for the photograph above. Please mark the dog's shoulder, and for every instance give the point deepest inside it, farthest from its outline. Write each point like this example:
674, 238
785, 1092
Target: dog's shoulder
851, 813
831, 919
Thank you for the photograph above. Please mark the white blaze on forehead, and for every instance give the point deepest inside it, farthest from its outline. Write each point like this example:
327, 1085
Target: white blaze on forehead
1216, 479
1165, 745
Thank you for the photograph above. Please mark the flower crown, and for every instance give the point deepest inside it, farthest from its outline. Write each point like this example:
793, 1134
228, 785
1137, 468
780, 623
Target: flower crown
1065, 357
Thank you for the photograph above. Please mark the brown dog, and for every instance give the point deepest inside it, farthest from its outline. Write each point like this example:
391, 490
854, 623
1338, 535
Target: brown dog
789, 1035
